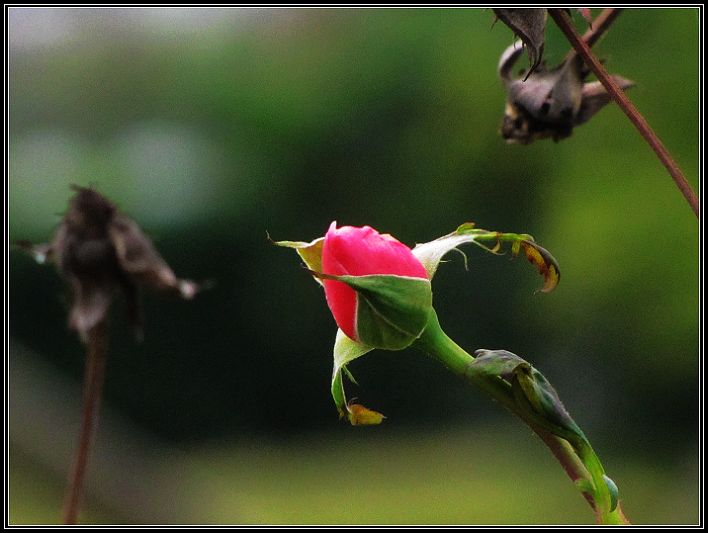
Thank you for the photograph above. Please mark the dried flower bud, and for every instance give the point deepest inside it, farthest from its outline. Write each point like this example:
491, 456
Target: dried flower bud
98, 251
549, 103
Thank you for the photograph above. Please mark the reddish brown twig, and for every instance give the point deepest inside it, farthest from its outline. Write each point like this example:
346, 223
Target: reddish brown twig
563, 21
96, 355
599, 26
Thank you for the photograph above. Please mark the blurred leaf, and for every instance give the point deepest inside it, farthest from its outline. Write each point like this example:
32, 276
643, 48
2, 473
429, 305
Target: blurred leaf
39, 252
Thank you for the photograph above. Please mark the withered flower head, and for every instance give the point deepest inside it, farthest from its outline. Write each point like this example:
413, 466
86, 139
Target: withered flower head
99, 251
549, 103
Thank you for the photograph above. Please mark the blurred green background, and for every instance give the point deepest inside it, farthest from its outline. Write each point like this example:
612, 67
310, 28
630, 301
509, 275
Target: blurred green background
211, 127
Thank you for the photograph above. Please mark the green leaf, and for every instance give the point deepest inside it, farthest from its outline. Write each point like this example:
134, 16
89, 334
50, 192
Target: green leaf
535, 389
496, 363
392, 311
545, 400
431, 253
309, 252
614, 491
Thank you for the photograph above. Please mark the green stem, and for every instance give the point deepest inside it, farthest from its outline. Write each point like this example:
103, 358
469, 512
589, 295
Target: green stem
597, 471
577, 458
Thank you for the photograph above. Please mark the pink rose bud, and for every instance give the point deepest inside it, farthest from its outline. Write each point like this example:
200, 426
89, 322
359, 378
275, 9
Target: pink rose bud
352, 251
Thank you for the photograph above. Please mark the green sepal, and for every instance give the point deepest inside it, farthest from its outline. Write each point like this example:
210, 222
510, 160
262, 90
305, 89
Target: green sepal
309, 252
431, 253
345, 351
391, 311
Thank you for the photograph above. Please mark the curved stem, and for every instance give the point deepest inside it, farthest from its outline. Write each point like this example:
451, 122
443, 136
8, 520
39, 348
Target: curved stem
579, 467
581, 47
96, 355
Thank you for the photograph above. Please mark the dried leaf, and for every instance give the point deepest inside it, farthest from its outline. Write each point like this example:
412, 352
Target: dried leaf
530, 26
91, 300
141, 262
363, 416
545, 263
595, 97
40, 252
345, 351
